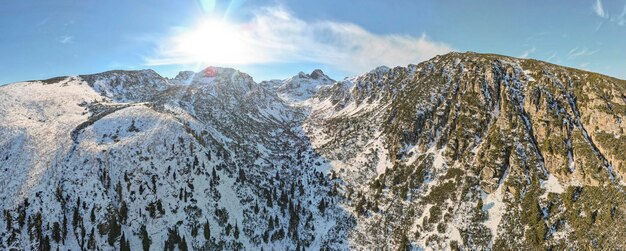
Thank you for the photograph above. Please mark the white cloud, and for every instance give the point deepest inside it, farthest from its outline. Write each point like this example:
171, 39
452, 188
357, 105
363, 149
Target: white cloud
599, 9
576, 52
620, 19
526, 53
275, 35
66, 39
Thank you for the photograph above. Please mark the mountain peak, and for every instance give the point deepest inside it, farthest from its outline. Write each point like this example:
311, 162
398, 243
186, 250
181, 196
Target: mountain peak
184, 75
317, 73
301, 86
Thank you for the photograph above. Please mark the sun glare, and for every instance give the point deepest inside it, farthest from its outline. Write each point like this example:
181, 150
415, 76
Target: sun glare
215, 41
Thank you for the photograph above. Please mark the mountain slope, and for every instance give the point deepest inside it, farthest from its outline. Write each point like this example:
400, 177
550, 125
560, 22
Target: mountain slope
466, 150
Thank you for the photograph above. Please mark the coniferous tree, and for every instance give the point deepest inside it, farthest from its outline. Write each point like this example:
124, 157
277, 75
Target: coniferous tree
322, 206
56, 232
44, 245
207, 231
228, 228
64, 229
269, 201
114, 230
9, 220
236, 231
124, 245
91, 244
118, 190
154, 183
21, 217
123, 212
242, 175
38, 230
183, 245
145, 238
75, 217
92, 216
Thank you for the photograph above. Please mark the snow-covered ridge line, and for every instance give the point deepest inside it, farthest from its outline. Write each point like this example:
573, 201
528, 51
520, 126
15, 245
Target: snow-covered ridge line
466, 150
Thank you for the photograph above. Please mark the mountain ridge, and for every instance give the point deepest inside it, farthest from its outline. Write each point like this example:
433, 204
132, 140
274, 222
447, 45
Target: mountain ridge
465, 150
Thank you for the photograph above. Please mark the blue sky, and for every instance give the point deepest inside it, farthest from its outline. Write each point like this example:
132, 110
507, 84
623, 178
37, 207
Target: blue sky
276, 39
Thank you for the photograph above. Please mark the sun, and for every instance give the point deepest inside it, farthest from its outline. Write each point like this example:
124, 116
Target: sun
214, 41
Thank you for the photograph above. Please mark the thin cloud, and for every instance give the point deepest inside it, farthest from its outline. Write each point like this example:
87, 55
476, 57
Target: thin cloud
66, 39
275, 35
600, 11
527, 53
576, 52
598, 8
621, 19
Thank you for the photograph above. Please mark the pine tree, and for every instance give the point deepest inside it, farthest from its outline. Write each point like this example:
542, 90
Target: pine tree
194, 230
114, 230
21, 217
118, 190
44, 245
75, 217
64, 229
124, 244
183, 245
322, 206
9, 219
92, 216
132, 127
145, 238
236, 233
123, 212
207, 231
269, 201
228, 228
242, 175
38, 222
91, 244
56, 232
154, 183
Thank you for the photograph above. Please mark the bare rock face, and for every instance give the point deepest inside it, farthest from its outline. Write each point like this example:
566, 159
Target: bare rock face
317, 74
469, 151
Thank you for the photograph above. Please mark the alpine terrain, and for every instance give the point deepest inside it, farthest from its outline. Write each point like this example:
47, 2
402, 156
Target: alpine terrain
464, 151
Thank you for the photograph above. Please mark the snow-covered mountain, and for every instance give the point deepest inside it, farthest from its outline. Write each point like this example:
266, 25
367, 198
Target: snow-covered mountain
466, 150
299, 88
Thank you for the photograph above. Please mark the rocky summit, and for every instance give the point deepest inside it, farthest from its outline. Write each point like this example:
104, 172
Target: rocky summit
464, 151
